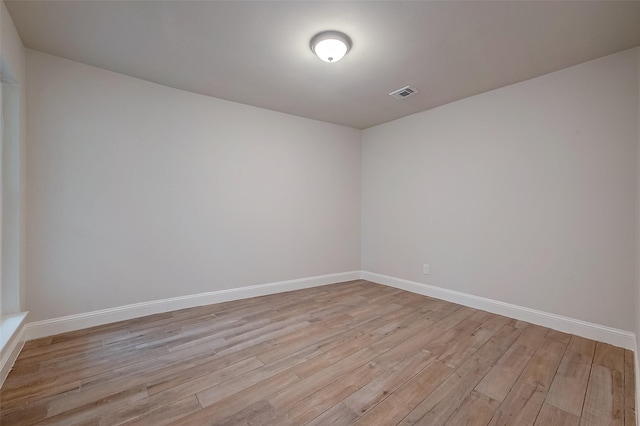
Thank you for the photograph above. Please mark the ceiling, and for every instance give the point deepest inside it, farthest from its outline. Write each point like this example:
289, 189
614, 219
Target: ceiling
258, 53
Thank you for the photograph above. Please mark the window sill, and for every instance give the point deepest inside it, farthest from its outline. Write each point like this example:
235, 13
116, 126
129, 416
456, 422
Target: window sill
9, 325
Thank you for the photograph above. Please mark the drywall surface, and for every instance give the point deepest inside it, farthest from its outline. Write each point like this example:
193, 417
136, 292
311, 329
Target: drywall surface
12, 60
637, 293
13, 73
138, 192
526, 194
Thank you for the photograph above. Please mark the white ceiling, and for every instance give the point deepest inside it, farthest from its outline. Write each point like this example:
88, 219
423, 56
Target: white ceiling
258, 53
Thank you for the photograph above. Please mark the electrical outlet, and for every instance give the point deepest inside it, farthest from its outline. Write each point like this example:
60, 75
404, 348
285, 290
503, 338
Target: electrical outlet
425, 269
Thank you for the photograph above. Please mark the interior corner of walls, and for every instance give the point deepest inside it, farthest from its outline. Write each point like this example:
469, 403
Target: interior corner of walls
306, 222
12, 49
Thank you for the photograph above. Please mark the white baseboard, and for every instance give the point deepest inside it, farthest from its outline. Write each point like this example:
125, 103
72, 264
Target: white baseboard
65, 324
581, 328
12, 338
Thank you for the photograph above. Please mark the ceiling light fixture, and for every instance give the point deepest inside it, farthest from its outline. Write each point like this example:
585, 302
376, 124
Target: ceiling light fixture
330, 46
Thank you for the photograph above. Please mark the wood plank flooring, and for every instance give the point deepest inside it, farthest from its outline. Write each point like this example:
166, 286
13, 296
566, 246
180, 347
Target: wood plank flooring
349, 353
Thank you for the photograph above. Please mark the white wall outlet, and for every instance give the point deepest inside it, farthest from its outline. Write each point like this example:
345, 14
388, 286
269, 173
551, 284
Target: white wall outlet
425, 269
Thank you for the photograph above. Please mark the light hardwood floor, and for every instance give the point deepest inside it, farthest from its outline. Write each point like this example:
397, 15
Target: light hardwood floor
349, 353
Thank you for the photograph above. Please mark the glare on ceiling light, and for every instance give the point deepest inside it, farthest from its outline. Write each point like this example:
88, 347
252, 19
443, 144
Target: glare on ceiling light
330, 46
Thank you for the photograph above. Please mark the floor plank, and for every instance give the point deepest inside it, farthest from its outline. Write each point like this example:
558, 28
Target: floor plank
569, 385
553, 416
497, 383
521, 406
629, 389
348, 353
476, 409
604, 401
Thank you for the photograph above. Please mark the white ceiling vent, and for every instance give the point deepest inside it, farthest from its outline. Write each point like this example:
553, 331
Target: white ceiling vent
405, 92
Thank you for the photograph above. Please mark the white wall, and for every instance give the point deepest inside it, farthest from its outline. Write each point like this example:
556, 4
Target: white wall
526, 194
12, 61
637, 289
138, 192
13, 71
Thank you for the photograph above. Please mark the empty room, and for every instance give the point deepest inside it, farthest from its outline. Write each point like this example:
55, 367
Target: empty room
319, 212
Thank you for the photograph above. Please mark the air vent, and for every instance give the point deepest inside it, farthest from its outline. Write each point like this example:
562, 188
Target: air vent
405, 92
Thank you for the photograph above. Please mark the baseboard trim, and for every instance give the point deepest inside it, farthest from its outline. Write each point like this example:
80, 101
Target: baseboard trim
38, 329
581, 328
13, 336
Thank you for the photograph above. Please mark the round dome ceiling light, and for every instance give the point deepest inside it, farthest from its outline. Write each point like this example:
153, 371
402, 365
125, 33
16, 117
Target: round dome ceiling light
330, 46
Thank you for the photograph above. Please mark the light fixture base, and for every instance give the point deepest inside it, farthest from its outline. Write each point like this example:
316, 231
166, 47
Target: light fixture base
330, 46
